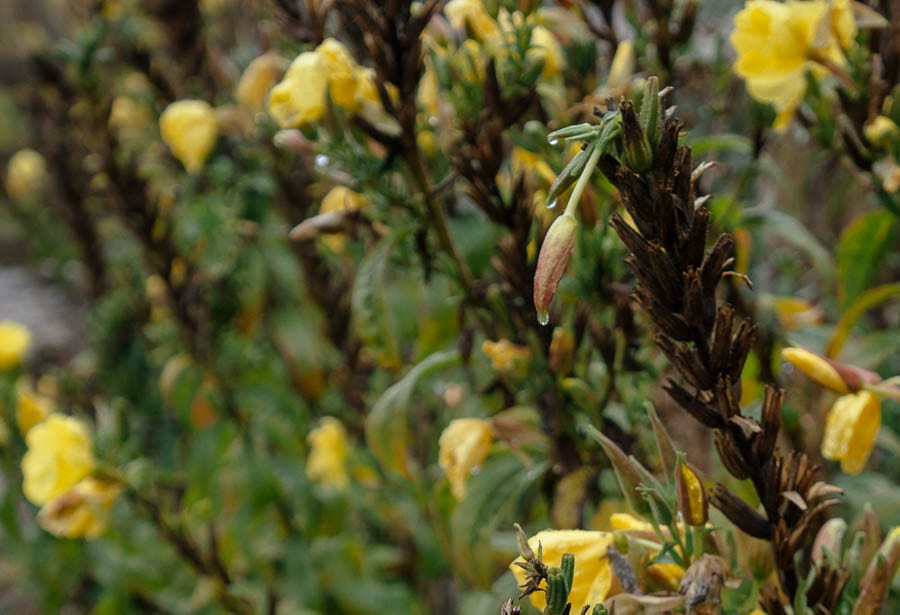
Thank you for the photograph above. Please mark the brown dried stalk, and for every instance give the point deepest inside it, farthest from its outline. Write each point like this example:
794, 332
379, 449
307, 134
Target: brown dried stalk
676, 285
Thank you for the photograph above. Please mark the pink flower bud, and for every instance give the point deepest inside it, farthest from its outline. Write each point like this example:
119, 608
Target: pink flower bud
552, 262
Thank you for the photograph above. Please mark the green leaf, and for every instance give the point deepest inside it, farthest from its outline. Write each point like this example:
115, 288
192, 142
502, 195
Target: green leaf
727, 142
866, 301
860, 252
492, 498
793, 232
369, 303
387, 429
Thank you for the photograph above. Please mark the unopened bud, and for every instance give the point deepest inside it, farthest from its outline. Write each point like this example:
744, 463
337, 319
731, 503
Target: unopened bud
693, 502
838, 377
557, 592
552, 262
650, 115
525, 549
873, 588
828, 541
637, 151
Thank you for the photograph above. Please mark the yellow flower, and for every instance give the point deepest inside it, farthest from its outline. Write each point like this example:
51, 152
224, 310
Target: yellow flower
259, 76
83, 511
843, 24
127, 116
31, 407
543, 46
525, 161
342, 71
59, 455
621, 68
776, 43
668, 574
300, 97
816, 368
850, 430
464, 444
593, 574
327, 461
190, 130
471, 13
15, 340
429, 92
507, 357
340, 198
881, 131
25, 173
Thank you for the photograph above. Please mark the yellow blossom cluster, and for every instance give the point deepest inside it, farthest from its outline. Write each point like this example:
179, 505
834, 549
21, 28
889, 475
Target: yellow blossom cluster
56, 472
778, 42
328, 71
15, 340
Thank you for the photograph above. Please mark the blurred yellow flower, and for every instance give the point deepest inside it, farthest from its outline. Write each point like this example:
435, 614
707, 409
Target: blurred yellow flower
843, 24
471, 13
342, 71
621, 69
593, 574
881, 131
31, 407
327, 461
850, 430
15, 340
776, 43
25, 173
340, 198
816, 368
545, 47
464, 444
507, 357
300, 97
127, 116
81, 512
59, 455
190, 130
259, 76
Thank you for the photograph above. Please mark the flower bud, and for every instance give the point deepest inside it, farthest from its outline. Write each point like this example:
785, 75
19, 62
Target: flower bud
839, 377
552, 262
650, 118
828, 541
693, 502
637, 152
874, 586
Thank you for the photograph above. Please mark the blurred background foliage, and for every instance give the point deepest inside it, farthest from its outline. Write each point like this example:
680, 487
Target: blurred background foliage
171, 312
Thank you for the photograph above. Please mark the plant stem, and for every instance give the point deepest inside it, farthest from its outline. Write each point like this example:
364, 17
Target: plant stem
582, 183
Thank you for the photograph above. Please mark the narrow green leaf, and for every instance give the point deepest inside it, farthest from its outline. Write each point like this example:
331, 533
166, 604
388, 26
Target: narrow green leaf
387, 429
861, 250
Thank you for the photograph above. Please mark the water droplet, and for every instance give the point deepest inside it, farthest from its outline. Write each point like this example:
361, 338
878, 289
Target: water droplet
321, 160
543, 317
552, 203
433, 121
552, 140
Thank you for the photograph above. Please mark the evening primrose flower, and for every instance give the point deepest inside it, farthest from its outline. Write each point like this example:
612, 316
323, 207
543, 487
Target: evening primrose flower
850, 430
259, 76
81, 512
777, 42
327, 461
190, 130
463, 444
593, 577
25, 173
15, 340
299, 98
852, 423
59, 455
31, 407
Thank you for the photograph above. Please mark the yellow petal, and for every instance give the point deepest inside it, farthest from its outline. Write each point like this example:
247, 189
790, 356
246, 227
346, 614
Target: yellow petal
25, 173
593, 574
59, 455
327, 461
816, 368
464, 444
190, 130
15, 340
300, 97
850, 430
